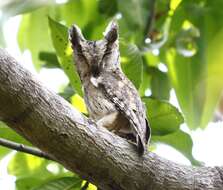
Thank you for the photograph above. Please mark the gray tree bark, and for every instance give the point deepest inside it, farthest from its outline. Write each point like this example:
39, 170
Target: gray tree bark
50, 123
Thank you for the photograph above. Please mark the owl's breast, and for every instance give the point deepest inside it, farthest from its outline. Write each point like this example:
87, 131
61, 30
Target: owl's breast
97, 104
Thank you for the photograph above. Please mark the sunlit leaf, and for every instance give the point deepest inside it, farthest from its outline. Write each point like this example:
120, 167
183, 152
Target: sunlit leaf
50, 59
80, 12
27, 183
196, 75
65, 183
9, 134
59, 36
138, 17
160, 84
164, 118
15, 7
133, 18
67, 92
132, 63
3, 152
181, 141
146, 80
174, 4
91, 187
108, 7
214, 80
25, 165
2, 39
78, 102
33, 34
151, 59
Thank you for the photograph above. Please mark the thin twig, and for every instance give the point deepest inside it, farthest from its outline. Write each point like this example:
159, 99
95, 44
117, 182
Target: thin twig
24, 148
152, 13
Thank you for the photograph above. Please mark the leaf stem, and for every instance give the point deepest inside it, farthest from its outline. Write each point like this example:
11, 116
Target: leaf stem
151, 17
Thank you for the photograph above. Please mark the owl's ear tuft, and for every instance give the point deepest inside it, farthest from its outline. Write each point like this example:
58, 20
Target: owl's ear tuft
75, 35
111, 32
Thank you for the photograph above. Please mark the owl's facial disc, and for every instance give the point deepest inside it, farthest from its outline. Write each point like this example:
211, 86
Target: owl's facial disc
98, 55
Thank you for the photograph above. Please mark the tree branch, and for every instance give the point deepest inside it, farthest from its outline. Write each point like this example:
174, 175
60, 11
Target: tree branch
23, 148
104, 159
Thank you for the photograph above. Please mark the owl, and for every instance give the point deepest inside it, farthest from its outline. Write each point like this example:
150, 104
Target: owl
111, 98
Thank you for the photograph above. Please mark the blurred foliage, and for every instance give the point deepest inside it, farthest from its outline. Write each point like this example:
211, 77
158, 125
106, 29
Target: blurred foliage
9, 134
132, 63
164, 118
185, 36
183, 144
191, 60
59, 37
68, 183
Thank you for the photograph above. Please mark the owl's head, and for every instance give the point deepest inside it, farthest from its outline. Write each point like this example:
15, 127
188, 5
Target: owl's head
94, 57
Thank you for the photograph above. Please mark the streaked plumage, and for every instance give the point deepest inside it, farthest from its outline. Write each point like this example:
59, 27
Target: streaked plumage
111, 99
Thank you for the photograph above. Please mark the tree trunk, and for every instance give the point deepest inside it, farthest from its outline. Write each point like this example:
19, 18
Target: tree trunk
50, 123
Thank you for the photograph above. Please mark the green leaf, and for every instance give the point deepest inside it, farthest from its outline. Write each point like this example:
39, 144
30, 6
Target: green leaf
151, 60
2, 38
33, 34
133, 18
214, 80
64, 183
160, 84
146, 80
3, 152
181, 141
59, 36
108, 7
131, 60
67, 92
78, 103
197, 78
9, 134
133, 23
15, 7
28, 166
32, 166
27, 183
91, 187
187, 87
80, 12
50, 59
164, 118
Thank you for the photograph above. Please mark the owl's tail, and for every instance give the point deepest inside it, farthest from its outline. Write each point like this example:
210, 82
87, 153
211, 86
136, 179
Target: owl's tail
140, 145
142, 142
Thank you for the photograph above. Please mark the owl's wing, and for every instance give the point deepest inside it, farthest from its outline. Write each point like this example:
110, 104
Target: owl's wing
122, 93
